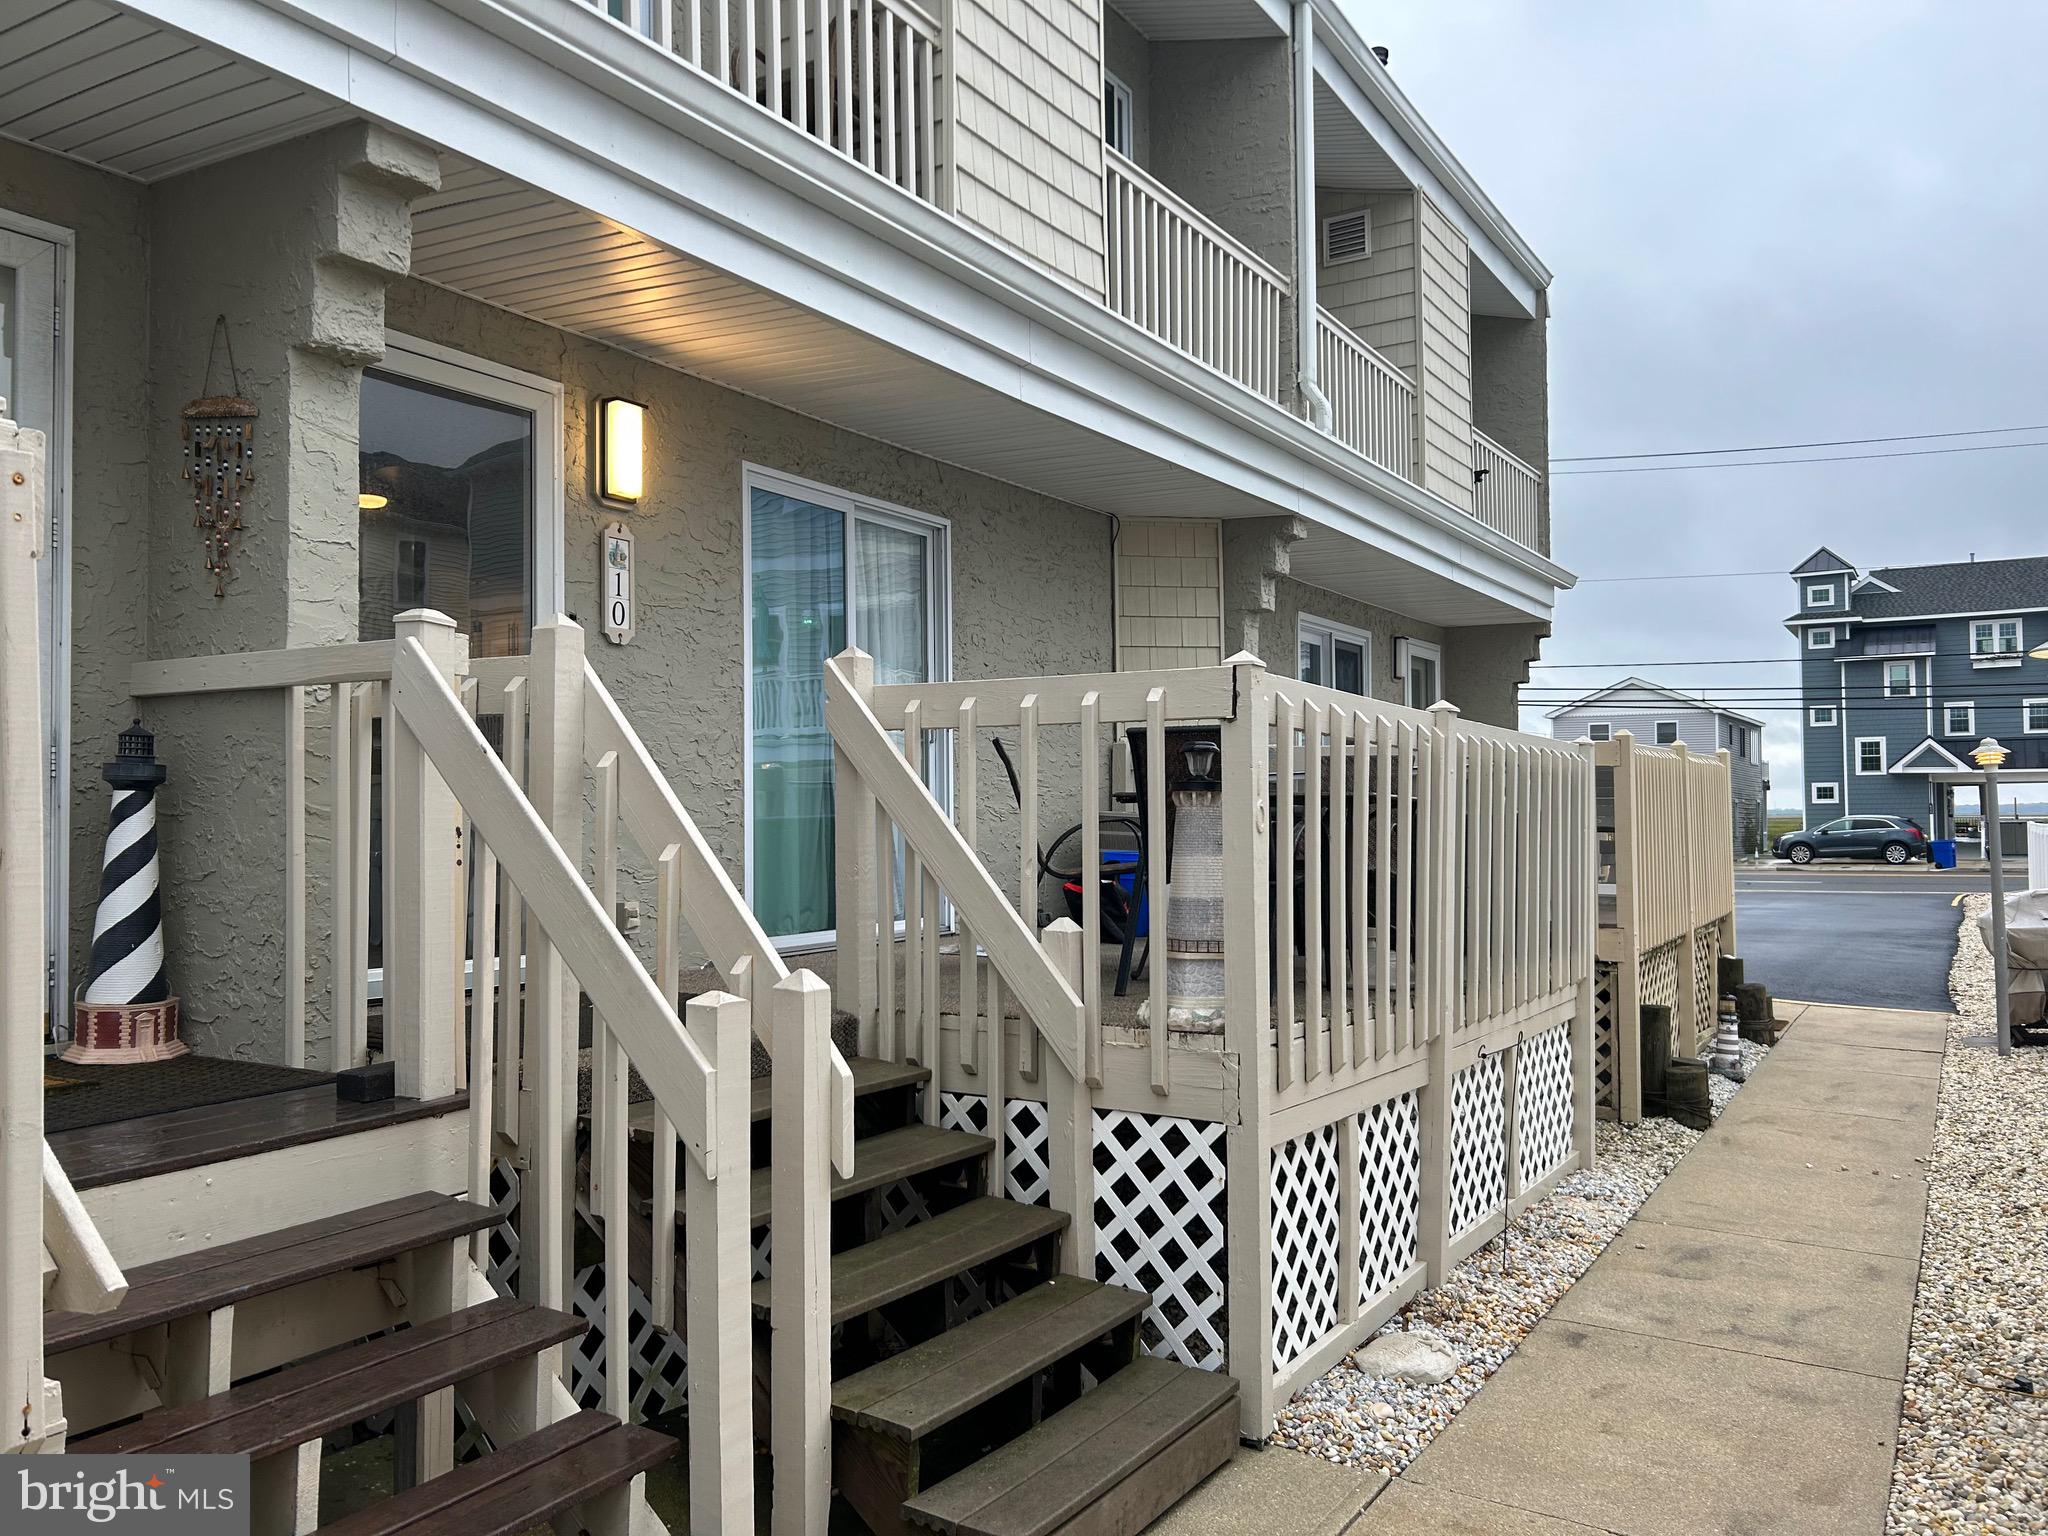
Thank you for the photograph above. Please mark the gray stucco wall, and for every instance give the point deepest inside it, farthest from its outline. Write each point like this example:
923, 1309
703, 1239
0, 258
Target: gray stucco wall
1511, 395
1485, 666
1031, 577
110, 550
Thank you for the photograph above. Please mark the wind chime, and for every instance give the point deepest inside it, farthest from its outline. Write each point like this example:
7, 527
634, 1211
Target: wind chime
220, 460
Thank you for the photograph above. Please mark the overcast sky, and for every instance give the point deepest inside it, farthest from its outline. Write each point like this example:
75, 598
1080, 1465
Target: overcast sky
1769, 222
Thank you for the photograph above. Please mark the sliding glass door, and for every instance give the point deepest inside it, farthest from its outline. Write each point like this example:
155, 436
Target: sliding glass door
824, 570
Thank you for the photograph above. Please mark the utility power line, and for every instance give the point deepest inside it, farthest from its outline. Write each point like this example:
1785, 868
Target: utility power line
1829, 458
1740, 661
1832, 442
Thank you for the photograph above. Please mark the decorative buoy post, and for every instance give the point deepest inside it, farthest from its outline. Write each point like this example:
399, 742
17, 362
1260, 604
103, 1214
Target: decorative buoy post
1726, 1055
1193, 975
127, 1013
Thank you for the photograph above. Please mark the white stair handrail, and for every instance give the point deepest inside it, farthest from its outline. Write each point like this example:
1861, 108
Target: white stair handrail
711, 903
675, 1070
1048, 999
87, 1278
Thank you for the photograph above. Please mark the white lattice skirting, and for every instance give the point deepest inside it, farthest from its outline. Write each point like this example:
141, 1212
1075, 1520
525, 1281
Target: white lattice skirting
1306, 1276
1543, 1105
1478, 1143
1027, 1168
1389, 1194
1160, 1215
1606, 995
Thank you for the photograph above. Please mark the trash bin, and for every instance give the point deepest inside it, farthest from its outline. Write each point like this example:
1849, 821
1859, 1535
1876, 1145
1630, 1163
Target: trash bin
1943, 851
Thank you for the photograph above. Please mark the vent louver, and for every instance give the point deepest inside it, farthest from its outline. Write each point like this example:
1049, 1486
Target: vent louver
1347, 236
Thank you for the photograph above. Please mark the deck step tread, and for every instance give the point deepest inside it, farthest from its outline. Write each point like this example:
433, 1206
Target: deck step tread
208, 1279
1126, 1429
330, 1391
908, 1261
869, 1076
929, 1385
903, 1153
520, 1487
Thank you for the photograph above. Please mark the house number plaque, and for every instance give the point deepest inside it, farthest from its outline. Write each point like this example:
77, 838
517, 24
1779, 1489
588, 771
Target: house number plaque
615, 566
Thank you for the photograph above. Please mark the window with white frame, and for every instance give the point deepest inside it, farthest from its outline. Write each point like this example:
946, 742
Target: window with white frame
1825, 793
825, 569
1421, 672
2034, 716
1996, 639
1899, 679
1820, 594
1116, 115
1667, 733
1821, 638
1335, 655
1959, 719
1821, 715
1870, 755
1600, 730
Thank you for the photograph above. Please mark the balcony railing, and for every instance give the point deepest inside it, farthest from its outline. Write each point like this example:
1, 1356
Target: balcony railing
1508, 496
1180, 276
1372, 403
857, 75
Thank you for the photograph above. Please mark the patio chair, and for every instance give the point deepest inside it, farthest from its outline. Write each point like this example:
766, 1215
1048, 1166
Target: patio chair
1120, 911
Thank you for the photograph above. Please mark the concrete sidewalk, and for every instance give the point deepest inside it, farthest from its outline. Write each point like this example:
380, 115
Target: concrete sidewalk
1734, 1361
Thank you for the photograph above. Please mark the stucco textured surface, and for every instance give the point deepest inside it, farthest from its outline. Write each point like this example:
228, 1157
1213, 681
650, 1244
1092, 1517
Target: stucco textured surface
1031, 577
109, 525
299, 273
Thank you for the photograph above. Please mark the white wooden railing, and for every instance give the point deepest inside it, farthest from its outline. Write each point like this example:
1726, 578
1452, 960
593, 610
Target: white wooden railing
485, 847
1427, 909
1670, 832
1372, 403
858, 75
1179, 275
1508, 496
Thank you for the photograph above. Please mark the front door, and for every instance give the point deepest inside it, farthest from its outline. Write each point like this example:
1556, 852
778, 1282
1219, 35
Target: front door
32, 384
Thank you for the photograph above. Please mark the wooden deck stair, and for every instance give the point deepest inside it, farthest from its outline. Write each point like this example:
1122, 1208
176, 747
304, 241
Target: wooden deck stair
1032, 1416
280, 1414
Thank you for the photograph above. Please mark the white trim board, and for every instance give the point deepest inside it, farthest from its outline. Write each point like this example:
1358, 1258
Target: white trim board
57, 729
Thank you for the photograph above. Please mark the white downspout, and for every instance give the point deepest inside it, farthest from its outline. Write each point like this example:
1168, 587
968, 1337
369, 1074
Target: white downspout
1307, 340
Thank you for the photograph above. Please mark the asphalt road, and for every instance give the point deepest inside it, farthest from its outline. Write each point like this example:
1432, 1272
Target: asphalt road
1847, 936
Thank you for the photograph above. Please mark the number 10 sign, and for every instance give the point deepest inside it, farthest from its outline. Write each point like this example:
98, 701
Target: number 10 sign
615, 567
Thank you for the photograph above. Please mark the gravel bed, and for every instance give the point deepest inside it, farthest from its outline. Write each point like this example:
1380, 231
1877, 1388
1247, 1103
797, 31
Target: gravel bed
1972, 1449
1492, 1300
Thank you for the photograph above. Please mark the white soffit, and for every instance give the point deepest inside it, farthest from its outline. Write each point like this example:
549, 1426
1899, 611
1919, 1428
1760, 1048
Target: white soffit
88, 80
1176, 21
1339, 564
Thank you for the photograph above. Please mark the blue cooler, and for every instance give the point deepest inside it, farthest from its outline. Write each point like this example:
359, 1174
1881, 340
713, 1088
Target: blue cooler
1943, 851
1125, 866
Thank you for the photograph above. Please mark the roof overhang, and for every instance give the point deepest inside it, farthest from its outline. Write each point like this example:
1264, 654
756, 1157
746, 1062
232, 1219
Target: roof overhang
1348, 67
1931, 757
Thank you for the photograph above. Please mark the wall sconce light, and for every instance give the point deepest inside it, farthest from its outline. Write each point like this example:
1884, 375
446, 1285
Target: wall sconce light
621, 441
370, 501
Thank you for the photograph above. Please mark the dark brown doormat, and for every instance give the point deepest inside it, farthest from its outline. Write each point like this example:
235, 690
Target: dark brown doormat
99, 1095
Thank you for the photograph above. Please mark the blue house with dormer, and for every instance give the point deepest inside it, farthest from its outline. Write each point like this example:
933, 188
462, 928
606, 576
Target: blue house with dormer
1904, 670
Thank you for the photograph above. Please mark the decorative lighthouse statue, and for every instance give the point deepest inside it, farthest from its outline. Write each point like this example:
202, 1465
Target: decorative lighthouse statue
127, 1013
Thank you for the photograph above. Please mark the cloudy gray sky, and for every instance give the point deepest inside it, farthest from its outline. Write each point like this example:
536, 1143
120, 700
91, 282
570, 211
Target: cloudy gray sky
1770, 222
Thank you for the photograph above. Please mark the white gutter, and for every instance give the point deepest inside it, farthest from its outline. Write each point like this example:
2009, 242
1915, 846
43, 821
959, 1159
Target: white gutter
1307, 340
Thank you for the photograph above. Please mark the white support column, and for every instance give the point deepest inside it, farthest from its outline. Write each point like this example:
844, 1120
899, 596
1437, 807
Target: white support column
420, 843
1070, 1118
800, 1346
719, 1263
1444, 931
1628, 977
198, 1356
1586, 868
555, 787
854, 903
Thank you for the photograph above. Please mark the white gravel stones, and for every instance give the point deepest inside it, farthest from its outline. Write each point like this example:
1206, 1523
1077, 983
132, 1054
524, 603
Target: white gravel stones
1490, 1303
1973, 1450
1413, 1354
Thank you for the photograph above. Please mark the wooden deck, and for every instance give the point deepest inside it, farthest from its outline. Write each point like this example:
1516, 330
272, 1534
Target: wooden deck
211, 1133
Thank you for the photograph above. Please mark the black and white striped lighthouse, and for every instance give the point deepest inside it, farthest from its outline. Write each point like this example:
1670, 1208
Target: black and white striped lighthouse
126, 1012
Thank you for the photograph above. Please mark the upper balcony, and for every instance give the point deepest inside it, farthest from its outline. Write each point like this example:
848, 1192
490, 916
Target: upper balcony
904, 217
